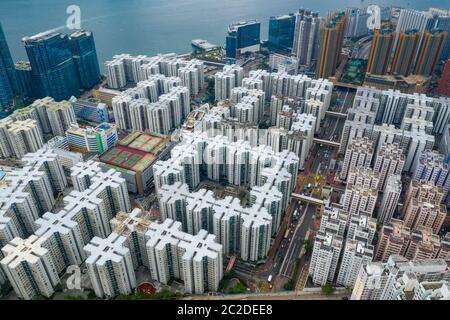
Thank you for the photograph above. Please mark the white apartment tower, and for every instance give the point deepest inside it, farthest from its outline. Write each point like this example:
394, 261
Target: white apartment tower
196, 260
389, 161
391, 196
359, 153
29, 268
110, 266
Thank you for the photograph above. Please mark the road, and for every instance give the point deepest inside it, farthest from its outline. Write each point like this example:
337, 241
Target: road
320, 157
285, 251
293, 295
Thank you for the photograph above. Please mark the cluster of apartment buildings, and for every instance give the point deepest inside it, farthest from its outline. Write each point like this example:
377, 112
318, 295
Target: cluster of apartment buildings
94, 229
23, 131
244, 230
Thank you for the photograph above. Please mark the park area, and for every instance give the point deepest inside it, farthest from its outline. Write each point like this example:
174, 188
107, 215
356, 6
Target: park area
354, 72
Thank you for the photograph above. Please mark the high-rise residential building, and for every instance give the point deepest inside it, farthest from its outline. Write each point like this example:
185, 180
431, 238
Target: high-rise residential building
331, 38
85, 57
430, 52
389, 161
405, 53
246, 230
414, 19
60, 116
54, 75
133, 226
356, 25
433, 166
192, 75
391, 195
9, 85
410, 19
115, 72
444, 83
380, 51
425, 213
225, 81
194, 259
82, 173
361, 193
306, 37
29, 268
413, 138
281, 32
393, 239
359, 153
24, 136
110, 266
356, 253
62, 237
424, 191
242, 37
334, 218
324, 261
443, 23
424, 244
363, 176
361, 226
386, 281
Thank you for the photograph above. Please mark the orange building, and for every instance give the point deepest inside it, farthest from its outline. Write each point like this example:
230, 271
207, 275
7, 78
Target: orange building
405, 54
330, 45
430, 51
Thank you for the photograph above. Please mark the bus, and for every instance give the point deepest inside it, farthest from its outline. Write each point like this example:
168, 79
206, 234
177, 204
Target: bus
286, 234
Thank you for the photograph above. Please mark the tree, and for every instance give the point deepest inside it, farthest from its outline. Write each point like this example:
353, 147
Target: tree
307, 244
289, 285
328, 289
238, 288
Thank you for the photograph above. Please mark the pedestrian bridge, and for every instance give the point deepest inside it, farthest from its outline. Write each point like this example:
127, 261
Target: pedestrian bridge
308, 199
327, 142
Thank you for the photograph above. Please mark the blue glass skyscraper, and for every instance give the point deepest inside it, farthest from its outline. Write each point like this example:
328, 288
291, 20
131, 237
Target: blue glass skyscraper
53, 67
243, 37
24, 76
85, 56
8, 80
281, 32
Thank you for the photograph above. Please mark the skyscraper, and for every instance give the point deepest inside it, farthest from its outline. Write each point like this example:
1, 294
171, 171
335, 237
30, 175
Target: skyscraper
306, 37
85, 57
357, 22
8, 79
53, 68
405, 53
443, 24
430, 52
382, 44
410, 19
281, 32
243, 36
330, 44
23, 71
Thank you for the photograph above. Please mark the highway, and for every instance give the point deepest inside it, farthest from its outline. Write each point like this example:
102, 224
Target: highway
320, 157
285, 251
290, 295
